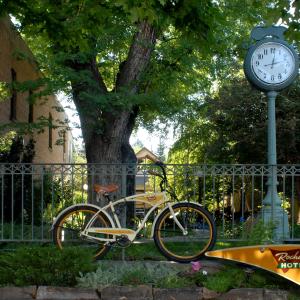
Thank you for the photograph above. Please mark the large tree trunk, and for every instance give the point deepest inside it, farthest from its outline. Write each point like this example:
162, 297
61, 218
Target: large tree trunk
106, 130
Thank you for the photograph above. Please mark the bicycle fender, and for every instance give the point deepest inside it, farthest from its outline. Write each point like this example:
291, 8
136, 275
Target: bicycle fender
166, 208
80, 204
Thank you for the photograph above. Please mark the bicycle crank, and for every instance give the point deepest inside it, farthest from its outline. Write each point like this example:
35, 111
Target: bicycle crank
123, 241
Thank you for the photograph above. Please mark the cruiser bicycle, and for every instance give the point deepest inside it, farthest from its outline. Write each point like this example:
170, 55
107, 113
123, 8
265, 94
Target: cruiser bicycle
182, 231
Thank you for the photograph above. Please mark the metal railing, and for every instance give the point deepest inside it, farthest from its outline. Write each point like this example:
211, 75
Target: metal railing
31, 195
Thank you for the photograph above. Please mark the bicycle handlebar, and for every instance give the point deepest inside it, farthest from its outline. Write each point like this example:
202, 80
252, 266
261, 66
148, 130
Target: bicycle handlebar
163, 168
154, 173
164, 186
163, 176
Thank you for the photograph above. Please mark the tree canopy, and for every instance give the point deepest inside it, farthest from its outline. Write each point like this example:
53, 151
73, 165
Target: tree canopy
232, 127
130, 62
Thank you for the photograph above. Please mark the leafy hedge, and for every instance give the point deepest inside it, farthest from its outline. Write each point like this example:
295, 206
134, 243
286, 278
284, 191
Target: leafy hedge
44, 266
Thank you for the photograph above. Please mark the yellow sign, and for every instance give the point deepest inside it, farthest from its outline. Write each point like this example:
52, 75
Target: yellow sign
283, 260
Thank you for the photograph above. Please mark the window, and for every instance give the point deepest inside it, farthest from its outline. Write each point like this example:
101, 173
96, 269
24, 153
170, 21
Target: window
30, 109
13, 99
50, 129
64, 142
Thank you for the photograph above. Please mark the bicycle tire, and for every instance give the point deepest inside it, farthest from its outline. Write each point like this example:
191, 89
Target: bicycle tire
62, 224
177, 248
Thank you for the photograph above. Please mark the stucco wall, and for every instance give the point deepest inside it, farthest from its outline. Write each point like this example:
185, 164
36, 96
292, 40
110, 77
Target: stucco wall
11, 43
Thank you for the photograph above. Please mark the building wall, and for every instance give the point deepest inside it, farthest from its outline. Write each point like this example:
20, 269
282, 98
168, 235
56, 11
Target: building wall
11, 44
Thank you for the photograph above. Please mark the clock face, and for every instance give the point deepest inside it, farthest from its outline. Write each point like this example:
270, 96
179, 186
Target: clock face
272, 63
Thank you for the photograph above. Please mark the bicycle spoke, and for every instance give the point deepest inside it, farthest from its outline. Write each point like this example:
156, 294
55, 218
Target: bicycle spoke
70, 229
69, 225
186, 246
171, 230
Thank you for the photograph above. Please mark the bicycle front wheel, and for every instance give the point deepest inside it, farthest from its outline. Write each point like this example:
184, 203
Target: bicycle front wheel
200, 232
69, 225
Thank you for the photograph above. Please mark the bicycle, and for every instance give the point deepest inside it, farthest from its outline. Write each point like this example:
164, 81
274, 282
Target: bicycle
182, 231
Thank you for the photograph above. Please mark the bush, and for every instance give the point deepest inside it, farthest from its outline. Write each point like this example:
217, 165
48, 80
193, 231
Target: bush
258, 280
237, 277
137, 276
261, 233
124, 273
174, 281
44, 266
224, 280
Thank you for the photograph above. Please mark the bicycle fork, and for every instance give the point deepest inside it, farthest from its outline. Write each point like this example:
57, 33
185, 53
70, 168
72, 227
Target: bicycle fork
184, 231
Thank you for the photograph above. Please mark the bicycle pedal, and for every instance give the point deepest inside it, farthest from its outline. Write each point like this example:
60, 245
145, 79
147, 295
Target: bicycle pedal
123, 241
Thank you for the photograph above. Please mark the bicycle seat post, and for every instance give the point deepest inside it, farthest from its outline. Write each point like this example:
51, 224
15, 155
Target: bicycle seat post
107, 197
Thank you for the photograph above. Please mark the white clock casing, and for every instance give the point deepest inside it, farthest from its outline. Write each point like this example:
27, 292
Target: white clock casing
271, 65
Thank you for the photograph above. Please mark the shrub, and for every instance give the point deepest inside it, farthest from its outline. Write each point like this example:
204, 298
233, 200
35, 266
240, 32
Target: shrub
261, 233
109, 273
257, 280
44, 266
174, 281
225, 280
137, 276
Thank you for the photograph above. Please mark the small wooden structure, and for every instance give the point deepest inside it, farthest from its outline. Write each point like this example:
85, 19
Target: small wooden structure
142, 184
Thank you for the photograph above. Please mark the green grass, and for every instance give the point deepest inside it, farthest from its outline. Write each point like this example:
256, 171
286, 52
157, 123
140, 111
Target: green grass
143, 251
140, 251
148, 251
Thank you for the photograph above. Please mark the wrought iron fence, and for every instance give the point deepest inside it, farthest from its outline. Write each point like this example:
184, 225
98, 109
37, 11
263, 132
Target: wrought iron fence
31, 195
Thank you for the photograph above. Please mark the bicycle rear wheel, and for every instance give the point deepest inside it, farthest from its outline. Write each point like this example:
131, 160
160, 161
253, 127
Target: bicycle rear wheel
200, 237
68, 226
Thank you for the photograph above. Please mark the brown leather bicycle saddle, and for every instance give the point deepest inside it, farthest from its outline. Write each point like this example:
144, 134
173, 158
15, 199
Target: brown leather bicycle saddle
101, 189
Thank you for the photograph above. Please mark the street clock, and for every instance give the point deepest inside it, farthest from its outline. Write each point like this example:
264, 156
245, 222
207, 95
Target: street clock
271, 64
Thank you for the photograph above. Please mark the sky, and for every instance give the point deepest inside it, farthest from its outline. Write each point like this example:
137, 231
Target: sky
149, 140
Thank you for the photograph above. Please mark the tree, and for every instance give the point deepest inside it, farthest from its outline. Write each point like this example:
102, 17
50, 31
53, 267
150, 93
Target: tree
138, 145
232, 128
160, 152
117, 57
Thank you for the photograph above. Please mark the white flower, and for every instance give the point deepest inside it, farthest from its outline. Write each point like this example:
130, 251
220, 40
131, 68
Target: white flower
204, 272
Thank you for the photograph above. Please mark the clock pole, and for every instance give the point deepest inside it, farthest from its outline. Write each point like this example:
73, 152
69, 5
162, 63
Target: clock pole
271, 72
272, 211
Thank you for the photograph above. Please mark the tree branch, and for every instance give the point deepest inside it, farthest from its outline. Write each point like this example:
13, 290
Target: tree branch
138, 57
91, 66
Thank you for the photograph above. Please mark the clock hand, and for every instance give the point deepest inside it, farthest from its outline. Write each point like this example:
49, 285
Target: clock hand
273, 63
